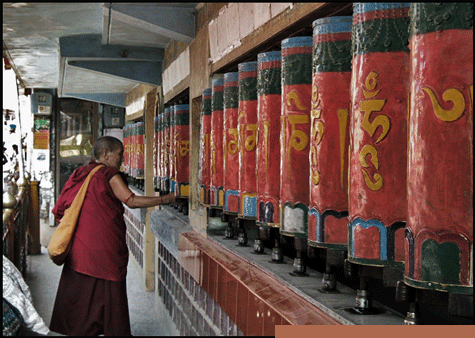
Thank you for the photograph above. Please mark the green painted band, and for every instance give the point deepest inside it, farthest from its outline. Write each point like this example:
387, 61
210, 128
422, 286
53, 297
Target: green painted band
297, 69
231, 97
182, 119
328, 245
248, 89
166, 121
217, 101
372, 36
294, 234
377, 262
432, 17
269, 81
206, 107
332, 56
464, 289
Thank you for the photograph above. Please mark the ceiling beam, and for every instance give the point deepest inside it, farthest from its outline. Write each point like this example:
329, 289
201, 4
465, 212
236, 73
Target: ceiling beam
114, 99
90, 46
177, 23
86, 52
149, 72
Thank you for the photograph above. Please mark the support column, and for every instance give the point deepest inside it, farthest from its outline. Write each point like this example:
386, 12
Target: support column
149, 238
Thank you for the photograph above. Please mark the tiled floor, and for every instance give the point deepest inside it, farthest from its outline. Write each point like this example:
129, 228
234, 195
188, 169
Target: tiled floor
43, 278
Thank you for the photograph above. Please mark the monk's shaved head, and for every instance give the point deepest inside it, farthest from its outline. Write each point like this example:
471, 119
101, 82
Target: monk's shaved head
105, 143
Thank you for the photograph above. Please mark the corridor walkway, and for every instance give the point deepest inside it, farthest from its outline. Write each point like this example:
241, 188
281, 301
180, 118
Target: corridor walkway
43, 278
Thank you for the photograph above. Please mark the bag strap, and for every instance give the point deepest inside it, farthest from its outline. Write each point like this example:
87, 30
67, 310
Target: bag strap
79, 199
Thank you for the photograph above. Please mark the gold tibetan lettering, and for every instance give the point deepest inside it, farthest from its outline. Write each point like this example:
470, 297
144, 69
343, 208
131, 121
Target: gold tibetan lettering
451, 94
378, 183
295, 97
370, 84
369, 106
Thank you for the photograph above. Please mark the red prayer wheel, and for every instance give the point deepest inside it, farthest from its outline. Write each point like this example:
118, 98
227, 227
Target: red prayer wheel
182, 136
329, 141
216, 180
140, 150
125, 165
205, 154
166, 150
247, 128
295, 135
130, 132
133, 150
172, 148
378, 155
268, 146
155, 153
161, 169
231, 144
439, 235
129, 149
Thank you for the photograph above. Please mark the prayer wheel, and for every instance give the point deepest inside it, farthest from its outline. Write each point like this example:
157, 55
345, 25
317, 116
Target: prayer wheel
216, 179
231, 144
129, 148
134, 150
205, 154
378, 134
247, 129
439, 234
329, 140
161, 150
156, 152
139, 150
166, 150
268, 146
182, 137
172, 148
126, 163
295, 135
133, 146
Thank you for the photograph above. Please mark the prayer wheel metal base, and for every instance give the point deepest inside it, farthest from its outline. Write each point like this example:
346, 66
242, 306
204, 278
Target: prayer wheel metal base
229, 232
333, 258
259, 246
329, 283
264, 233
277, 253
412, 317
299, 267
364, 300
329, 280
242, 237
